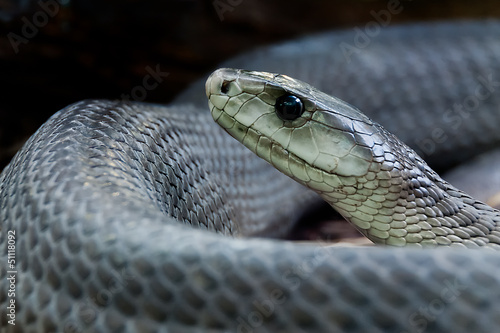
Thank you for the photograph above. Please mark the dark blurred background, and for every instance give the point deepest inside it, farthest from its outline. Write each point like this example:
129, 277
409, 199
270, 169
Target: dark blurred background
56, 52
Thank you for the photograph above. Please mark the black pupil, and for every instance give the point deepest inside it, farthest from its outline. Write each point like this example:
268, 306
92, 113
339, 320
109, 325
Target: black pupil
289, 107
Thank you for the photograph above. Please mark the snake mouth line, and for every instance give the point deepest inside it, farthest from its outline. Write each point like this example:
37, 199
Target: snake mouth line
278, 150
350, 153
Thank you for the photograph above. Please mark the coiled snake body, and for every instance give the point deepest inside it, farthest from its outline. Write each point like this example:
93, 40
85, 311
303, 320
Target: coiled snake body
104, 197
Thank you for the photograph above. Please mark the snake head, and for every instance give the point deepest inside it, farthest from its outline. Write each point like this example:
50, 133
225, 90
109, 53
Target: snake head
302, 131
363, 171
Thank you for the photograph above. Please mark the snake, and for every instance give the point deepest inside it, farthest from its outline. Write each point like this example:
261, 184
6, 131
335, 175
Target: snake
122, 216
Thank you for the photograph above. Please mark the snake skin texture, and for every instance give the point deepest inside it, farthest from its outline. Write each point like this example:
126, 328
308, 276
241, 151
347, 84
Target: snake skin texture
364, 172
401, 78
122, 211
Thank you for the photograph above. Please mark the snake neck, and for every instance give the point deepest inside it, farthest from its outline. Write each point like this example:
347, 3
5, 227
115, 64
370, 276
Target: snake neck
367, 174
402, 201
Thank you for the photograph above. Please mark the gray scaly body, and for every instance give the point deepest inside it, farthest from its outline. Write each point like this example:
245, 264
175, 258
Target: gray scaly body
112, 203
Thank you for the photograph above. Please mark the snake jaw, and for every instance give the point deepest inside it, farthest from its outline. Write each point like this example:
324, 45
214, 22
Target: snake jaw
319, 140
92, 207
243, 103
334, 149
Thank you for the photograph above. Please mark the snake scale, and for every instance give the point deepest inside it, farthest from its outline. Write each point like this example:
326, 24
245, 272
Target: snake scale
121, 211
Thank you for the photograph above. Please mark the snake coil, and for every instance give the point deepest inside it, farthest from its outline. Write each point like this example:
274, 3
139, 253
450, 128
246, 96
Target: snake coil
112, 204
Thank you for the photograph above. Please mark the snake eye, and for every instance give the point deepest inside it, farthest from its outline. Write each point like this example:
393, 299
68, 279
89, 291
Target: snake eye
289, 107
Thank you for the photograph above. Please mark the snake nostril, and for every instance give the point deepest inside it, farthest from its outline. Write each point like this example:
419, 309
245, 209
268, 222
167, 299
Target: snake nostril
224, 87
